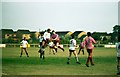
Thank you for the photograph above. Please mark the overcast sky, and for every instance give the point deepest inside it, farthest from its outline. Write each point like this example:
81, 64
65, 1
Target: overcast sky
60, 16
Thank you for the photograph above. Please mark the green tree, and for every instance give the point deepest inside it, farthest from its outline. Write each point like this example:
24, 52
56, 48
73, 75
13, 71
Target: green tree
105, 40
116, 33
33, 39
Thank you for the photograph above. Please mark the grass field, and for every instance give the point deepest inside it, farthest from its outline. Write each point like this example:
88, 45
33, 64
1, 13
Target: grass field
12, 64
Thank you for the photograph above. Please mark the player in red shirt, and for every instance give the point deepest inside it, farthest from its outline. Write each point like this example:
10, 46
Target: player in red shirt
56, 40
88, 43
81, 46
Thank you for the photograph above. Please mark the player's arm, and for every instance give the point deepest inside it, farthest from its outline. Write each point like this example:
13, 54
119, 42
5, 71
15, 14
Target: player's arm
116, 47
53, 39
93, 41
85, 42
56, 37
75, 44
21, 43
44, 35
27, 44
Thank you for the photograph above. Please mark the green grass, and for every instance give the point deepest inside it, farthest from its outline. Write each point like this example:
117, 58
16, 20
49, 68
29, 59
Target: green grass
12, 64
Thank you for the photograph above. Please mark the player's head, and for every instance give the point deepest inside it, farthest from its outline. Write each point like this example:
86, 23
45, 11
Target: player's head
53, 32
48, 30
24, 38
88, 34
41, 33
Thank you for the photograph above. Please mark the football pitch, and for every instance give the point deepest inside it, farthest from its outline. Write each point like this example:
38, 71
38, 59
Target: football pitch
12, 64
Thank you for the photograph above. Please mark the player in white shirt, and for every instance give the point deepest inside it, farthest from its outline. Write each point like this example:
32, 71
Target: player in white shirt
72, 49
41, 38
24, 45
47, 36
118, 56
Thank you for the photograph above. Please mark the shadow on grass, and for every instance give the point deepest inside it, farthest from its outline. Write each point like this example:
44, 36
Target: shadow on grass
54, 60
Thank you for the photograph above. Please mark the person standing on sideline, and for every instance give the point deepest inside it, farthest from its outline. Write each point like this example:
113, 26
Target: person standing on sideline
88, 43
24, 45
72, 50
118, 56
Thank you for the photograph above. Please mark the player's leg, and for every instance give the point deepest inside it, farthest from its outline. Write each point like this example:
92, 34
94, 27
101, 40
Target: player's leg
79, 50
76, 57
40, 46
26, 52
70, 53
60, 47
83, 51
43, 44
91, 61
42, 49
118, 65
54, 47
43, 53
88, 59
21, 52
50, 50
53, 51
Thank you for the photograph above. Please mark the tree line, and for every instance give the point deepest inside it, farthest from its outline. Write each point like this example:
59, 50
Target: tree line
100, 37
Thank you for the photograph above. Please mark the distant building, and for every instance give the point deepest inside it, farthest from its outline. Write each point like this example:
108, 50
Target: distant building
23, 33
62, 33
17, 36
7, 33
68, 34
34, 34
76, 33
82, 34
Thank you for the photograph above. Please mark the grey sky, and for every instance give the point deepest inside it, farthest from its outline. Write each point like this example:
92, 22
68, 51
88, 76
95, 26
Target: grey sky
61, 16
119, 13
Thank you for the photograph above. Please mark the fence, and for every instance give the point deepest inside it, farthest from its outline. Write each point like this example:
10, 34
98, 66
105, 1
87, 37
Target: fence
18, 45
109, 46
65, 45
